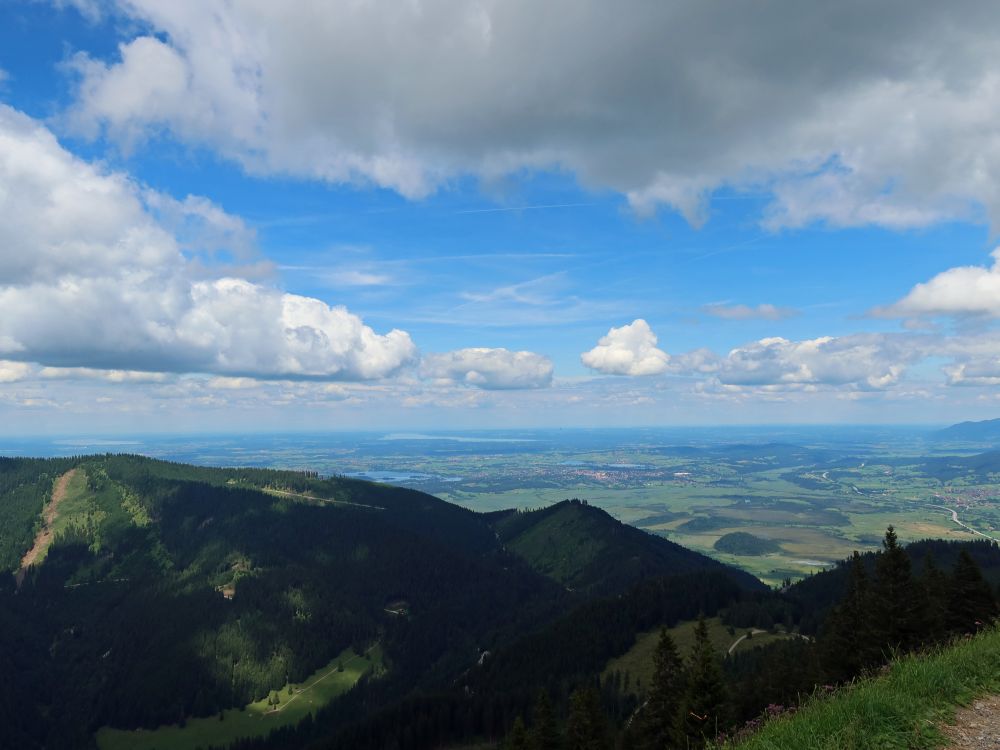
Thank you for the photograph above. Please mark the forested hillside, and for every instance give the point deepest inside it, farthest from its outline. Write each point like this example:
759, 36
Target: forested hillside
585, 549
170, 592
163, 593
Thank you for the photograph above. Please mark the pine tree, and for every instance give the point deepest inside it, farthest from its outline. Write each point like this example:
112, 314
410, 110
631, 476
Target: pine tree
705, 697
935, 587
586, 728
544, 734
970, 603
518, 737
897, 601
847, 644
660, 721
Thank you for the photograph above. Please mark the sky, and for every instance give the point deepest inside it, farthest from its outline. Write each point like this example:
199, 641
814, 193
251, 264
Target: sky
306, 215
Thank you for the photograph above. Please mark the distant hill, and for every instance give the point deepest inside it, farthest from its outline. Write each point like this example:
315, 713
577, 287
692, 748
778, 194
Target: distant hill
979, 466
743, 543
987, 430
585, 549
818, 592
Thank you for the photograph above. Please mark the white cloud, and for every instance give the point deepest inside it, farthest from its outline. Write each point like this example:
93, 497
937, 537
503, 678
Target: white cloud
966, 290
629, 350
353, 277
867, 361
91, 277
110, 376
490, 369
11, 372
746, 312
859, 361
89, 9
848, 113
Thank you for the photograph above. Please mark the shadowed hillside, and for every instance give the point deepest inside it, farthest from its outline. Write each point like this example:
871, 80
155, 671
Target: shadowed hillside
585, 549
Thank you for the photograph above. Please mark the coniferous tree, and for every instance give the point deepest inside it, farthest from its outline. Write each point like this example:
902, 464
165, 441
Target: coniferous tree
847, 642
935, 587
586, 728
705, 696
518, 737
897, 604
971, 604
660, 720
544, 733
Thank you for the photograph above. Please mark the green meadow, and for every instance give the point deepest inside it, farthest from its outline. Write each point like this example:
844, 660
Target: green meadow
636, 664
255, 719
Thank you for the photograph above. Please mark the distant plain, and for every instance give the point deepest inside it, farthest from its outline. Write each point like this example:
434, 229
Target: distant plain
816, 492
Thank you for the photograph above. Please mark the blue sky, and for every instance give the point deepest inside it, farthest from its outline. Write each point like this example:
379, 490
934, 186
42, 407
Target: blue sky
487, 214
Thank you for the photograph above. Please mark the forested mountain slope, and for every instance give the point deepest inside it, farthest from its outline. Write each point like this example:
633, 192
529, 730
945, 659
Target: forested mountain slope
169, 591
585, 549
175, 591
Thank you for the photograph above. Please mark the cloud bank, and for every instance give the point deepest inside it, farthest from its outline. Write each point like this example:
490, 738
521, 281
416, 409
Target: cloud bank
90, 277
491, 369
844, 113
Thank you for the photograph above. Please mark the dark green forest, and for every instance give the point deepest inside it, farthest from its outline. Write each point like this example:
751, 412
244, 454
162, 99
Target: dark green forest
177, 591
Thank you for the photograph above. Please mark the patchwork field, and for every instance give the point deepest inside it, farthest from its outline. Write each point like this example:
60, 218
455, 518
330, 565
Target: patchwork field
296, 701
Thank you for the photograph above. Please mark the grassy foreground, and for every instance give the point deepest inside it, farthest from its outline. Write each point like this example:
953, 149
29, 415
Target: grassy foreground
900, 709
254, 720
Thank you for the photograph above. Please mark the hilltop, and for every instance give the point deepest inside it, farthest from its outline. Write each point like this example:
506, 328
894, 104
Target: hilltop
585, 549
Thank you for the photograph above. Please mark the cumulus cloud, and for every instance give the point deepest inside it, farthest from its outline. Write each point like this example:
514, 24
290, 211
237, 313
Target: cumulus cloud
629, 350
91, 277
490, 369
11, 372
859, 361
962, 291
847, 113
747, 312
871, 361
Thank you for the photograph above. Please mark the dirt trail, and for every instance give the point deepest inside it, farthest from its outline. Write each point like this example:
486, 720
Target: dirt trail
44, 538
976, 727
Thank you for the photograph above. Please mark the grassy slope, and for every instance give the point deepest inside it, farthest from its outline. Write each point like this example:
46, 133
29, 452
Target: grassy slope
637, 662
900, 709
255, 719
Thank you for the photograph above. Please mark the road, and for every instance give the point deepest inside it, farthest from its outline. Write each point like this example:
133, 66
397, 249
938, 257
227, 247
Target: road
954, 517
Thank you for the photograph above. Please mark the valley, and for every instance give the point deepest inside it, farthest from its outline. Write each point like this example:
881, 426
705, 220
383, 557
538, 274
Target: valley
176, 606
813, 495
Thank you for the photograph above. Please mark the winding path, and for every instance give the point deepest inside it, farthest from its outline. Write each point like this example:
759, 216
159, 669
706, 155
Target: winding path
740, 640
44, 537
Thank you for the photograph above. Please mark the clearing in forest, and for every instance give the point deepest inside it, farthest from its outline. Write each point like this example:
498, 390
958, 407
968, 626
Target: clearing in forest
637, 662
60, 490
255, 719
